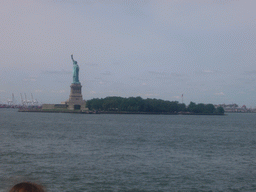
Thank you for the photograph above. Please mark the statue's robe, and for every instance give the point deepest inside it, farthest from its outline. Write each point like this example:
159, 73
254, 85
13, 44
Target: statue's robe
75, 73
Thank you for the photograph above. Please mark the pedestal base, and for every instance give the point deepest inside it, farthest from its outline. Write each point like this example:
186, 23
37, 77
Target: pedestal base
76, 101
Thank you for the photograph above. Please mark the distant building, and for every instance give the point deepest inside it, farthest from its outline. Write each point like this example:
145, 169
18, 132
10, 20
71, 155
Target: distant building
234, 108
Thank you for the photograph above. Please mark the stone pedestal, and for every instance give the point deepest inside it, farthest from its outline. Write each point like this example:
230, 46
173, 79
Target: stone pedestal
76, 101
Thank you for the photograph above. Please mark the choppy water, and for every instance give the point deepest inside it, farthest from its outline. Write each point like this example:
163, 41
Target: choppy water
77, 152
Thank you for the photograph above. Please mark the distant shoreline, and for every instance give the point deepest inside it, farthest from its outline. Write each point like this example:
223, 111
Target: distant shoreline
113, 112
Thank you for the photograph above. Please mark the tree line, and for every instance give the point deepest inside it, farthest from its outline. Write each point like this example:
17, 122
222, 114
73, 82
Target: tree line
138, 104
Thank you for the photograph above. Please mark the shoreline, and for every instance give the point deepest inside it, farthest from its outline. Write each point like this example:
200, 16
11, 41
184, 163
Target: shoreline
113, 112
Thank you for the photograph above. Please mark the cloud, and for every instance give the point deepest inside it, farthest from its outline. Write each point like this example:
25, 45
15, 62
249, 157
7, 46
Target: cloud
108, 73
92, 92
98, 80
2, 91
165, 74
219, 14
150, 95
249, 79
208, 71
56, 72
59, 91
92, 64
220, 94
205, 71
158, 73
30, 79
252, 72
176, 97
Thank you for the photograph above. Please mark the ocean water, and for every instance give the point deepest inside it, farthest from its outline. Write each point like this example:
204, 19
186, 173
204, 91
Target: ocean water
101, 152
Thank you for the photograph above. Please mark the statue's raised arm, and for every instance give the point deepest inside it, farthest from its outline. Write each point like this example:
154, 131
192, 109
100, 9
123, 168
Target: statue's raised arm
72, 58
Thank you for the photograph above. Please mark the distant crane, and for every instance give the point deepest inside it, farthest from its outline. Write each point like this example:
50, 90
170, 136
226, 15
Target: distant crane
12, 101
28, 102
23, 102
34, 102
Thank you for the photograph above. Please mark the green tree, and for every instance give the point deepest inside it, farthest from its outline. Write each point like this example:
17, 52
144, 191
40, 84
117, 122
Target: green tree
95, 104
137, 104
220, 110
192, 107
181, 107
200, 108
209, 108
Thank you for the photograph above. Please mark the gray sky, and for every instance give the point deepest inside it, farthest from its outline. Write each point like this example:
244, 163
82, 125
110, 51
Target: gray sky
204, 49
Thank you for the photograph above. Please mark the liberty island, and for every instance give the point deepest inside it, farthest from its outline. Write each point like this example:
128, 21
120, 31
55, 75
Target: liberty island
119, 105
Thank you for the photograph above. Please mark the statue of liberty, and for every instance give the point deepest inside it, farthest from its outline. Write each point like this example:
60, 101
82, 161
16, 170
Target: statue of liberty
75, 71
